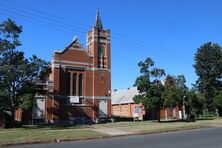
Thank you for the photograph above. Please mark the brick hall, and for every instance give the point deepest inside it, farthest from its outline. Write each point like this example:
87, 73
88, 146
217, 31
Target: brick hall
79, 85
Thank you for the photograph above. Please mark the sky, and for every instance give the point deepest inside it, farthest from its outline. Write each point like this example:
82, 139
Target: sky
168, 31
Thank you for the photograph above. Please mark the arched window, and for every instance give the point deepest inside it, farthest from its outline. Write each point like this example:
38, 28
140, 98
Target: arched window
74, 84
101, 56
80, 84
68, 84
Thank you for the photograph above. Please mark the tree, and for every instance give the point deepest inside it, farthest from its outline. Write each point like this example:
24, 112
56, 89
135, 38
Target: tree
208, 67
16, 72
175, 92
170, 93
217, 102
150, 92
194, 103
181, 89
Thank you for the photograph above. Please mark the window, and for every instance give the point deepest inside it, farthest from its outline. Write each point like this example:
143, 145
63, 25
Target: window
101, 56
80, 84
68, 84
104, 62
74, 84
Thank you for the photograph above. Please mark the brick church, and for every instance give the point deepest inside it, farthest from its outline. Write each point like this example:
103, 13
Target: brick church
79, 85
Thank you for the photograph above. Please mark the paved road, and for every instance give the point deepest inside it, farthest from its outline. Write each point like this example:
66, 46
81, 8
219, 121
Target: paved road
204, 138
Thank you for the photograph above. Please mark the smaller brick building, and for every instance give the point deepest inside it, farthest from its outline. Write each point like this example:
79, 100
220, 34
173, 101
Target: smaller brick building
124, 106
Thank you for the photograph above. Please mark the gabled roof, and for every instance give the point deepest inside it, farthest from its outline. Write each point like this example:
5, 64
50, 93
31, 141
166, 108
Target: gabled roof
124, 96
75, 44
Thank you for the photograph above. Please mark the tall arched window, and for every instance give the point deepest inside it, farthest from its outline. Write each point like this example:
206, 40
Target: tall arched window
74, 84
68, 84
101, 55
80, 84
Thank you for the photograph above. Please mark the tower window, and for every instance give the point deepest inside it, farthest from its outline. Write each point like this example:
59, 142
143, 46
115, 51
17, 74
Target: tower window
101, 56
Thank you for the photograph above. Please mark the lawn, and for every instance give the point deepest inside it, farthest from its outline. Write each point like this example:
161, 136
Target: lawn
153, 126
49, 134
21, 135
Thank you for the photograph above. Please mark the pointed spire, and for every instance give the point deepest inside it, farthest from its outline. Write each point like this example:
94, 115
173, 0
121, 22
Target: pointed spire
98, 23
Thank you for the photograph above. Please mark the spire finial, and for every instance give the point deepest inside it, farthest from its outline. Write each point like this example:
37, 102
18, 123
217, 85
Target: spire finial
98, 23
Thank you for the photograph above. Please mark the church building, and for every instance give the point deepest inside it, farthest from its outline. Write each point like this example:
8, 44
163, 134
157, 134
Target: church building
79, 81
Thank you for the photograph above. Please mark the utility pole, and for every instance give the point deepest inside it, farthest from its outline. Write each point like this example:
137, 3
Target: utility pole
183, 108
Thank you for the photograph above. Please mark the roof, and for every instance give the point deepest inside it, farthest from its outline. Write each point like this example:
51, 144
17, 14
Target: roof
124, 96
75, 43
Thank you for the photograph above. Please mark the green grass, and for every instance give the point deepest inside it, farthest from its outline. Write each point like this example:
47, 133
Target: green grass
153, 126
20, 135
35, 134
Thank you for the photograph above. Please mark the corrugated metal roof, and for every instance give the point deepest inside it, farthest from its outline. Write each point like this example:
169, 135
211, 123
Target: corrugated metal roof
123, 96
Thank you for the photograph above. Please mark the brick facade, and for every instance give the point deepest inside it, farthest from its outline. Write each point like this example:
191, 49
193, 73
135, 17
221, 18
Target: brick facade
82, 74
129, 110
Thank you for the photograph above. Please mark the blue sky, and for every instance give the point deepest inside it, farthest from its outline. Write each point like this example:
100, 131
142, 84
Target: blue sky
168, 31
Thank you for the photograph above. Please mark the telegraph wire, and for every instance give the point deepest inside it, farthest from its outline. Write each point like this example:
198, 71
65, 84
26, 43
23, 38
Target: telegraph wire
126, 46
126, 38
160, 57
67, 29
43, 19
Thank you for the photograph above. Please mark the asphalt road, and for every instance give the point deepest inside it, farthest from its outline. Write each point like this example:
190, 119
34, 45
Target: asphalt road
202, 138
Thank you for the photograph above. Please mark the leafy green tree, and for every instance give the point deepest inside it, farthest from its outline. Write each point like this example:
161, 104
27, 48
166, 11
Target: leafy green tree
150, 91
194, 103
17, 73
181, 88
208, 67
175, 92
170, 95
217, 102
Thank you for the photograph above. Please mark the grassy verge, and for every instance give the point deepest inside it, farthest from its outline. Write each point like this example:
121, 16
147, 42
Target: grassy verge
49, 134
152, 126
21, 135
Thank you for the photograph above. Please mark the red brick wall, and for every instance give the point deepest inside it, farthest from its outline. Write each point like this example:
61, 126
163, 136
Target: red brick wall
96, 82
23, 116
125, 110
170, 113
72, 55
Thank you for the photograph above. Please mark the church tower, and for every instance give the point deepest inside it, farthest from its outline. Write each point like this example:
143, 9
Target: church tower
98, 47
98, 44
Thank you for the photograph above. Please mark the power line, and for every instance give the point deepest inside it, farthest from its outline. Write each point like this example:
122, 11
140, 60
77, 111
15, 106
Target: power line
160, 57
126, 46
148, 44
126, 38
145, 48
43, 19
64, 27
80, 26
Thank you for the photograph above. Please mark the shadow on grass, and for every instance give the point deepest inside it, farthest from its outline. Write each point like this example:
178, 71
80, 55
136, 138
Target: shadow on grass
205, 118
188, 120
53, 127
174, 121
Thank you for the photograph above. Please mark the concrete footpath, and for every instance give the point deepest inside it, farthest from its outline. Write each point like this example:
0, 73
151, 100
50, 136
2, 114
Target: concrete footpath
112, 131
